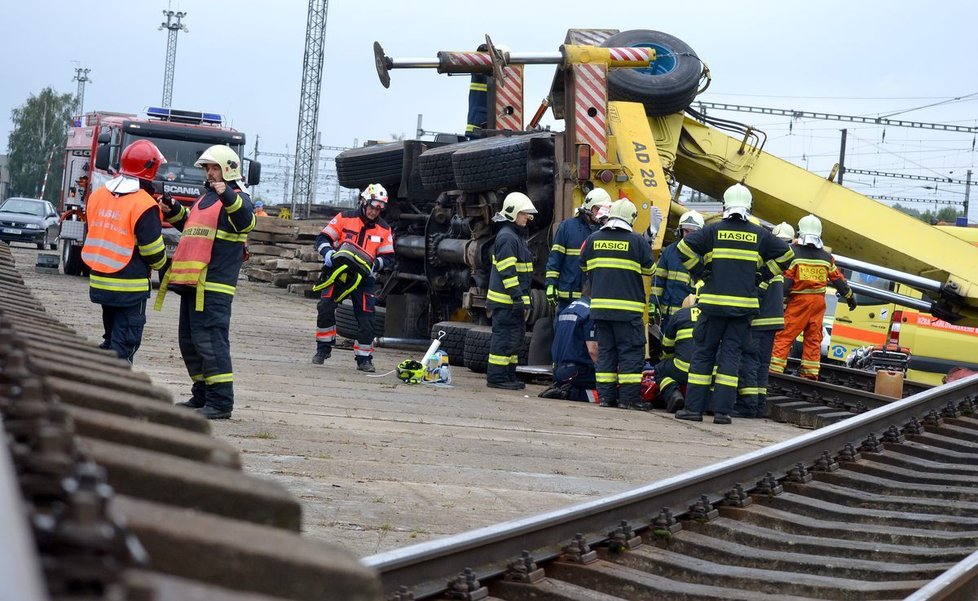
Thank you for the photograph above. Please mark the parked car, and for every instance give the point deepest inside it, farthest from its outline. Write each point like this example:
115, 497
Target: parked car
29, 220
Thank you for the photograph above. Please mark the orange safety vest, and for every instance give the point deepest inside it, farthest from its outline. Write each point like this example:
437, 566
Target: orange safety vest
372, 238
111, 235
189, 266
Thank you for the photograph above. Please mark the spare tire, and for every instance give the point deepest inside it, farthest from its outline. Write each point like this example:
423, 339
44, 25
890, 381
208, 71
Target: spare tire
492, 163
360, 167
666, 86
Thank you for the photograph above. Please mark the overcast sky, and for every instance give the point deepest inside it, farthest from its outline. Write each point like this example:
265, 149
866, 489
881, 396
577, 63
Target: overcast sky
244, 60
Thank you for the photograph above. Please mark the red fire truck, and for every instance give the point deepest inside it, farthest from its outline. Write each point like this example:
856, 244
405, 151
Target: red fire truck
180, 135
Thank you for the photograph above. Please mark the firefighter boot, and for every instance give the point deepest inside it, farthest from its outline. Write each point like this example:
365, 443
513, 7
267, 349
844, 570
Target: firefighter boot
690, 415
323, 351
196, 400
365, 364
721, 418
675, 401
213, 413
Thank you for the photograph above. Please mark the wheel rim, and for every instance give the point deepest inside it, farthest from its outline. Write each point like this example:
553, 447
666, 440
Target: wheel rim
665, 60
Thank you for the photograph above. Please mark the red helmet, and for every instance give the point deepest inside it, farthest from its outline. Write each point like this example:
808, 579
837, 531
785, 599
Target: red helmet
141, 159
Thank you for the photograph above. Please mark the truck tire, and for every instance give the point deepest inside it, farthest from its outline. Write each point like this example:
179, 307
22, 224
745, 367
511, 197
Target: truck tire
71, 261
477, 348
454, 341
435, 167
666, 86
492, 163
359, 167
346, 321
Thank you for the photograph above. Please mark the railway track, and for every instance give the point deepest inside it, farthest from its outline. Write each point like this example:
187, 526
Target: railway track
127, 496
883, 505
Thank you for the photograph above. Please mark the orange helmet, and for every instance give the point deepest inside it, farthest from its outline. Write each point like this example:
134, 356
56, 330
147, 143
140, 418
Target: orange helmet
141, 159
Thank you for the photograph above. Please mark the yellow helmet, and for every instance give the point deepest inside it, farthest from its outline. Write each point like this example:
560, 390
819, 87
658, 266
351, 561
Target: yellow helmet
223, 157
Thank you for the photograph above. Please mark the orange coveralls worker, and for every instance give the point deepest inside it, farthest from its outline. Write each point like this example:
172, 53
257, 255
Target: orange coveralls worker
805, 282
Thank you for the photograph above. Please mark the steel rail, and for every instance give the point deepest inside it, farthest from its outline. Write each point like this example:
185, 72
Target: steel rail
20, 570
426, 568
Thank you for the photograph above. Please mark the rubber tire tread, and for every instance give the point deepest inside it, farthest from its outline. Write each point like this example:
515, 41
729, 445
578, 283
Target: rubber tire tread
72, 264
454, 341
360, 167
492, 163
663, 94
435, 167
346, 321
477, 348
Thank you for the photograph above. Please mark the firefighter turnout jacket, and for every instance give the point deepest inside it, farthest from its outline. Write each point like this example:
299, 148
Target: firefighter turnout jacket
771, 313
677, 338
122, 245
373, 237
811, 270
671, 283
564, 263
738, 255
512, 269
617, 261
217, 236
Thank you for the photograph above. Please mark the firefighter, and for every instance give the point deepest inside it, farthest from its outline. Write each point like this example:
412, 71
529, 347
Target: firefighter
478, 103
204, 273
564, 276
726, 255
508, 297
260, 209
804, 282
670, 282
366, 229
123, 245
617, 261
677, 349
753, 376
574, 350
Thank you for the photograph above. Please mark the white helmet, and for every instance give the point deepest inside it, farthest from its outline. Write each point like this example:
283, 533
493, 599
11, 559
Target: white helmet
516, 203
737, 200
809, 225
596, 198
622, 213
691, 220
784, 231
374, 192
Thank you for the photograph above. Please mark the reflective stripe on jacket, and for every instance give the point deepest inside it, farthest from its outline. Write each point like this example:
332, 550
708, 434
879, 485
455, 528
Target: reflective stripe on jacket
564, 261
736, 254
375, 238
812, 269
512, 269
617, 262
111, 237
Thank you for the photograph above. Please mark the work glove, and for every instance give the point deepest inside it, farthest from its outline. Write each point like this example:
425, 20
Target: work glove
655, 220
851, 301
654, 313
552, 295
167, 203
328, 258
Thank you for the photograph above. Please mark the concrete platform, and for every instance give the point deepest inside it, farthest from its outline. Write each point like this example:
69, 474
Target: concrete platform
379, 464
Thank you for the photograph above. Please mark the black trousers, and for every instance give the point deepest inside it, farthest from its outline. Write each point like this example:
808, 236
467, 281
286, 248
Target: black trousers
720, 341
206, 348
508, 327
621, 357
668, 376
123, 329
753, 376
364, 303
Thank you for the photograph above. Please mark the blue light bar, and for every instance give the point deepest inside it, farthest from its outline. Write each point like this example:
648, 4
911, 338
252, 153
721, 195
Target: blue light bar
178, 116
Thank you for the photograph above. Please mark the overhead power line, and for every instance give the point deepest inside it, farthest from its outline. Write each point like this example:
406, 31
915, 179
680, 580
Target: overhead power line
923, 178
924, 200
720, 106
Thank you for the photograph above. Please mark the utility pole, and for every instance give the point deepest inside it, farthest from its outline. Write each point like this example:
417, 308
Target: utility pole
967, 196
171, 51
842, 156
81, 76
307, 134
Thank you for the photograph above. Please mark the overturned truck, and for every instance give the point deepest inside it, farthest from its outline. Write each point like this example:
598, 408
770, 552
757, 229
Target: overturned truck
625, 101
